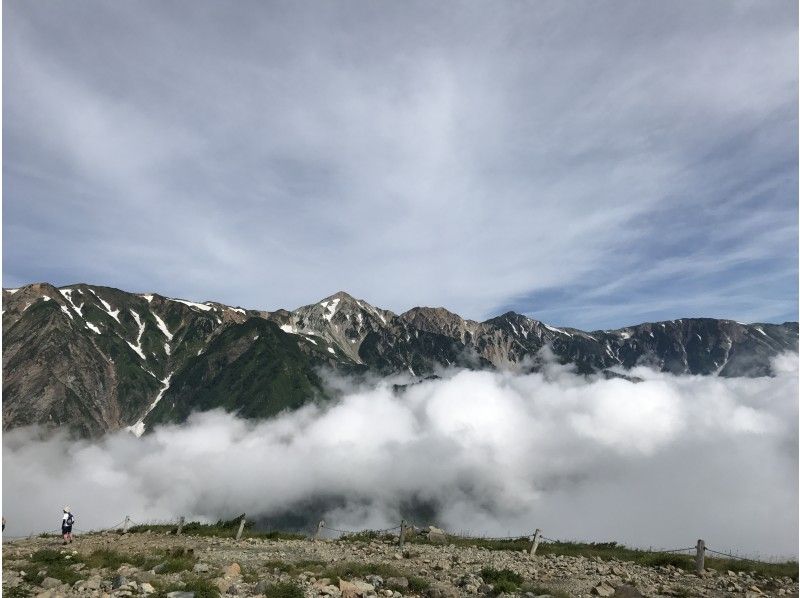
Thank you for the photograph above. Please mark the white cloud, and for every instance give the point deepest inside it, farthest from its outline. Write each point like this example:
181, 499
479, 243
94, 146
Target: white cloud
589, 459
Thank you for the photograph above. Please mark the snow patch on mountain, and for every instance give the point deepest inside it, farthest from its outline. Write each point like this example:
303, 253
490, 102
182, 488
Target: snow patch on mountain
138, 346
137, 429
330, 308
162, 326
199, 306
114, 313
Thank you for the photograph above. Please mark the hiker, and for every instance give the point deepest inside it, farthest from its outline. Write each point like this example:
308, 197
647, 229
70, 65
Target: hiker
66, 525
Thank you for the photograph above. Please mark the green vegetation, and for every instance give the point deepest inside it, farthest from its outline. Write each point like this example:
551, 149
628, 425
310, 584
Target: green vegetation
202, 588
503, 580
220, 529
418, 584
270, 375
367, 536
284, 590
19, 591
54, 564
543, 590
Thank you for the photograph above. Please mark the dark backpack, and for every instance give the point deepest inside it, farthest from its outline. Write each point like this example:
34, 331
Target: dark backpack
70, 519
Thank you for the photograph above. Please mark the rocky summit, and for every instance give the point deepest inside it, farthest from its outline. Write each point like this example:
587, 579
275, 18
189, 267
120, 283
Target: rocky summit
112, 565
95, 359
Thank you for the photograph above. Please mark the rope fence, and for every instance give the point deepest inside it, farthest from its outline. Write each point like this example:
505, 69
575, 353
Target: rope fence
404, 531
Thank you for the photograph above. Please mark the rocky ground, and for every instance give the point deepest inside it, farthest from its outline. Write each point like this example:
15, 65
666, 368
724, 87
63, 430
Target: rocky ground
341, 569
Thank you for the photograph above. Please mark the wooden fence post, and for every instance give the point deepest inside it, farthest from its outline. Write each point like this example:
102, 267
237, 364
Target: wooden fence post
241, 528
126, 524
700, 559
402, 533
180, 525
320, 527
535, 541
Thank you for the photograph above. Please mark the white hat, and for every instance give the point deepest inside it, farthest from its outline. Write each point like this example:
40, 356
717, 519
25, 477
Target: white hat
66, 508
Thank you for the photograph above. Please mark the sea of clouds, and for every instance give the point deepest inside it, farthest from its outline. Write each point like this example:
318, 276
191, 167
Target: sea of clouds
660, 462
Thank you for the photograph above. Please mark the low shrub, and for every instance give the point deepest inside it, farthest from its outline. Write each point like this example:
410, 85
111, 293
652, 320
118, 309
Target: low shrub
284, 590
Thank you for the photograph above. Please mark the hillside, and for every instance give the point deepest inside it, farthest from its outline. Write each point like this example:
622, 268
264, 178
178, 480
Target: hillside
95, 359
274, 566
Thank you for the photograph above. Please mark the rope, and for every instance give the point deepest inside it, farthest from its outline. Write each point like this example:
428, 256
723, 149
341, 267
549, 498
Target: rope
363, 531
491, 538
738, 558
672, 550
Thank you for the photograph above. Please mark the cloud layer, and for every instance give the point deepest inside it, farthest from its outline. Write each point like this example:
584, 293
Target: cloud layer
593, 168
656, 463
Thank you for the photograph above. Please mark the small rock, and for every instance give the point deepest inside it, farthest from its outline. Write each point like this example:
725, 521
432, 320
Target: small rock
397, 582
348, 589
48, 583
201, 568
118, 581
442, 591
146, 588
232, 570
261, 586
222, 584
233, 590
180, 595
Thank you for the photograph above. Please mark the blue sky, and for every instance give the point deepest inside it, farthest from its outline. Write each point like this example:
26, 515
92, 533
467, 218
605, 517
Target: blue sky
591, 168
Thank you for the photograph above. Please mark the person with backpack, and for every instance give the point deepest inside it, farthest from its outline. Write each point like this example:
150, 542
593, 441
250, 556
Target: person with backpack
66, 525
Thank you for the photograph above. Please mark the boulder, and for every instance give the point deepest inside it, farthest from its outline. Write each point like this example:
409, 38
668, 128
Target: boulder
626, 591
397, 582
442, 590
603, 589
261, 587
363, 586
436, 535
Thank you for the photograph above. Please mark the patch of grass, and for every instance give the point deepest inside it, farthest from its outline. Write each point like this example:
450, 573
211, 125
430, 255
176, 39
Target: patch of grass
367, 536
418, 584
503, 580
282, 566
284, 590
543, 590
20, 591
177, 564
351, 570
55, 565
111, 559
202, 588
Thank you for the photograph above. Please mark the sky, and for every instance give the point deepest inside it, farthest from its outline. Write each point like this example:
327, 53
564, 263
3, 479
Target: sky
588, 166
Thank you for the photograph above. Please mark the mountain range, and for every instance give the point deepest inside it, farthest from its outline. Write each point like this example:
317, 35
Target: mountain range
94, 359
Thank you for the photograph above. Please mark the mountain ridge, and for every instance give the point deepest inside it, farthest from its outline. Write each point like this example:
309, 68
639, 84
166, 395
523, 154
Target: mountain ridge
95, 358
